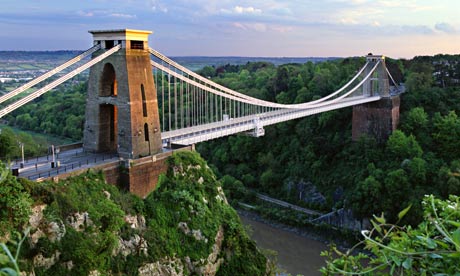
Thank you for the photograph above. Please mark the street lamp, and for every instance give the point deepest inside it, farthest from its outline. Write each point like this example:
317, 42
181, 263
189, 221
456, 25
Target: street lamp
54, 164
22, 154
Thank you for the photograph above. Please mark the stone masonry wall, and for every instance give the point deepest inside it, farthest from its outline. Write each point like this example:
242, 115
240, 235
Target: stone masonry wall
377, 119
138, 176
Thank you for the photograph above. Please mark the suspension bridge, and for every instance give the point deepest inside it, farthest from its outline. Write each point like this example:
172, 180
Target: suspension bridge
141, 103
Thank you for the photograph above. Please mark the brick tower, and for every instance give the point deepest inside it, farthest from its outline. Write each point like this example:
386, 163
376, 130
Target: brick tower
121, 106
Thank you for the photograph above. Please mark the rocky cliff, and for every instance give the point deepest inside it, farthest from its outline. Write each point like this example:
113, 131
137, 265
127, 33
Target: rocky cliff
83, 226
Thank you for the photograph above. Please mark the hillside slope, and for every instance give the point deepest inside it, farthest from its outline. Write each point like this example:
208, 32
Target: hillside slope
83, 226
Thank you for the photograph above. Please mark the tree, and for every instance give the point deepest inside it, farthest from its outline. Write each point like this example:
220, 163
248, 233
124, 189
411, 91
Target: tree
417, 170
366, 198
402, 146
415, 121
419, 81
7, 143
208, 72
281, 80
321, 84
447, 135
396, 192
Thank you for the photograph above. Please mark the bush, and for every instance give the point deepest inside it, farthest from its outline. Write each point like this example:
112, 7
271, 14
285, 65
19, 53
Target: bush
432, 248
15, 203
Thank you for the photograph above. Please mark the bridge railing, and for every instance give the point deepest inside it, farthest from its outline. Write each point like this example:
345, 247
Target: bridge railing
71, 167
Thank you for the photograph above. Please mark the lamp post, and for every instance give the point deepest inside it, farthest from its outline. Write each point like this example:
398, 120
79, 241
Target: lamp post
53, 162
22, 154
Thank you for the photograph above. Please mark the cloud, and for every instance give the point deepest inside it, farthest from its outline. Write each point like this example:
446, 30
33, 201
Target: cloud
358, 2
156, 5
258, 27
284, 11
412, 6
85, 13
282, 29
241, 10
122, 15
404, 30
357, 15
262, 27
445, 27
105, 13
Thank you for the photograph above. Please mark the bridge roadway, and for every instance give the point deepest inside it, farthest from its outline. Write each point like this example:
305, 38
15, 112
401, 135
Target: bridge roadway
75, 159
196, 134
40, 167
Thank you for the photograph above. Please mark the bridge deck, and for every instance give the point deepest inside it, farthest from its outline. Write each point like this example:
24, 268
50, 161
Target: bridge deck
196, 134
71, 160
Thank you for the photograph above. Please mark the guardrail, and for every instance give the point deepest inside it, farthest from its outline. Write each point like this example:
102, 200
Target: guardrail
48, 157
70, 167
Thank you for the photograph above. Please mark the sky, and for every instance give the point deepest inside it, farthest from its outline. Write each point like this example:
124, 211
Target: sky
269, 28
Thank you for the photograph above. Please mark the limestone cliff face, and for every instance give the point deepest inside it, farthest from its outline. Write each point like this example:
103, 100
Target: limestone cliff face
83, 226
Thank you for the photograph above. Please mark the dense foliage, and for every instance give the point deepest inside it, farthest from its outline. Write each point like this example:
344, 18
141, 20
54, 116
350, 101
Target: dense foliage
59, 112
431, 248
422, 157
15, 204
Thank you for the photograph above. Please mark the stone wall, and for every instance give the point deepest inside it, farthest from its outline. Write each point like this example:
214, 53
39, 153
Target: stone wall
376, 119
138, 176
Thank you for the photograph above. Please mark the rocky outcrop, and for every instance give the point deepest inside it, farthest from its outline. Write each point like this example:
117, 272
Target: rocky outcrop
306, 191
165, 267
343, 219
94, 273
213, 263
135, 222
79, 221
41, 261
173, 266
220, 195
137, 245
36, 216
55, 231
40, 227
194, 233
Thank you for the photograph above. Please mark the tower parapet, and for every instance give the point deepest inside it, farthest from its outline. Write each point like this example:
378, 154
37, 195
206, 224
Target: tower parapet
378, 83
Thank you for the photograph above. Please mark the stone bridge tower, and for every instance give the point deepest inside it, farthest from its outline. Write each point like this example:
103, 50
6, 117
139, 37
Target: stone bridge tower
376, 119
121, 106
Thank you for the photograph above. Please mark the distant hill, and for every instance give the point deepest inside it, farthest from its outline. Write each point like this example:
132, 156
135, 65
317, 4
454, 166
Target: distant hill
196, 62
9, 58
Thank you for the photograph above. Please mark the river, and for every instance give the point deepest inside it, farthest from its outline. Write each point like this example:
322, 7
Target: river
296, 254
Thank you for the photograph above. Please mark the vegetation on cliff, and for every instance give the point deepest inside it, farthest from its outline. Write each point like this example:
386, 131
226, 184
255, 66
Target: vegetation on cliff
83, 226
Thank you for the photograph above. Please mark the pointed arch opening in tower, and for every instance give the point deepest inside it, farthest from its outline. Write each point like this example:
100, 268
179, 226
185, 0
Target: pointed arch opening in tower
108, 84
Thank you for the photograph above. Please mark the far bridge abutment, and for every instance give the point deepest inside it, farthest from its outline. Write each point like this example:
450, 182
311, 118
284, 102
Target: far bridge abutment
376, 119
